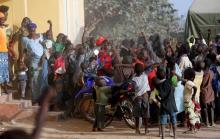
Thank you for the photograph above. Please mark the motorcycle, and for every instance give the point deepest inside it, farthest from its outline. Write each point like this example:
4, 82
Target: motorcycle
83, 101
87, 82
120, 106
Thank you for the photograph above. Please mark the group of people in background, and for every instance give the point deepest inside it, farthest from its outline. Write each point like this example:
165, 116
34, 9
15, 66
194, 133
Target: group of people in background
29, 67
179, 83
183, 87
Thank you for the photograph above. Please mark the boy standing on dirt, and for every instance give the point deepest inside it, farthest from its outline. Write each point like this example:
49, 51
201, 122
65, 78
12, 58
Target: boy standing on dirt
101, 95
166, 97
141, 103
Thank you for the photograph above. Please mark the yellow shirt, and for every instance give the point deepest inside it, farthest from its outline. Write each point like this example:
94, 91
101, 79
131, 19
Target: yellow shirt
3, 41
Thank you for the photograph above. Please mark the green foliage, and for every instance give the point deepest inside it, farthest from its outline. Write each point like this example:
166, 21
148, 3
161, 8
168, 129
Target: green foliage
119, 19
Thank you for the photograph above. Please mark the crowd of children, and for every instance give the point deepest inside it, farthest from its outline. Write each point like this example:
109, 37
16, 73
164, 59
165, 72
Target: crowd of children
195, 93
184, 87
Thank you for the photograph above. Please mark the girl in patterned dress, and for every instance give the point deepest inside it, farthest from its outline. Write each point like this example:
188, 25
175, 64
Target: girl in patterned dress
191, 108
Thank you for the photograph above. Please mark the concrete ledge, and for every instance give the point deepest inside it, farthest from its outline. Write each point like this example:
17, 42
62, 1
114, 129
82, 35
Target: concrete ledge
9, 110
53, 116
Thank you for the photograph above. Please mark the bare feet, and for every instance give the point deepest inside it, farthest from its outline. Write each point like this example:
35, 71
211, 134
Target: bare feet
100, 130
137, 132
146, 131
97, 130
94, 129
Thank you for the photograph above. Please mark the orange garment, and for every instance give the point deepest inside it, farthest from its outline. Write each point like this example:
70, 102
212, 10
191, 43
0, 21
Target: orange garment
3, 41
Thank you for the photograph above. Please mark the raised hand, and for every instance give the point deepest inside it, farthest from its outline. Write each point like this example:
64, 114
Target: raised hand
49, 22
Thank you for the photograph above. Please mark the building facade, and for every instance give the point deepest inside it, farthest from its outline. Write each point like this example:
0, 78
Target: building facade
67, 16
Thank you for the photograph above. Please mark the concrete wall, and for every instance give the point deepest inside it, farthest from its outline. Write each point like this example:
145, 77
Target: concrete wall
42, 10
67, 15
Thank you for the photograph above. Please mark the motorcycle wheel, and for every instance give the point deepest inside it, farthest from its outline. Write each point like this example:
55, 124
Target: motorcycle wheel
86, 108
127, 106
108, 120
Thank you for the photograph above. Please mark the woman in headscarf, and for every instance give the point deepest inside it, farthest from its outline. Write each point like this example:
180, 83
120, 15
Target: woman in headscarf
34, 51
4, 73
103, 57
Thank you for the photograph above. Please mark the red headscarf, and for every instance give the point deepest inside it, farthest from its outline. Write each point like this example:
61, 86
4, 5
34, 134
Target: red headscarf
100, 40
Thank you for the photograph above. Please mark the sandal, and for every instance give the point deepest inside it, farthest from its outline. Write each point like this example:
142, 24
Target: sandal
146, 132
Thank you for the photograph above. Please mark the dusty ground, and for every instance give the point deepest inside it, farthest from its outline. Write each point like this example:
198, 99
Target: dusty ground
79, 129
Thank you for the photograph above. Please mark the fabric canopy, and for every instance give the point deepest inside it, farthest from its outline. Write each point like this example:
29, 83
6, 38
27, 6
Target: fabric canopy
202, 16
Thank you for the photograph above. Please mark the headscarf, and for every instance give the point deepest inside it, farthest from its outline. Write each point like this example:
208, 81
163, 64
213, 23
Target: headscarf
31, 26
100, 41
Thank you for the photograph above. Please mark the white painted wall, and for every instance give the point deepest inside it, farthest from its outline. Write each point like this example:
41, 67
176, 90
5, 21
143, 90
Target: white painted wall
73, 16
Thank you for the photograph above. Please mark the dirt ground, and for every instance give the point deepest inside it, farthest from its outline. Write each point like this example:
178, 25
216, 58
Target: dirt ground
80, 129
